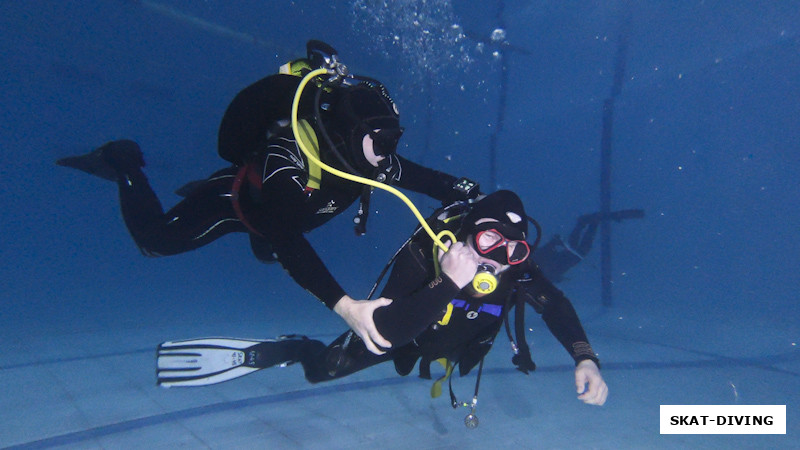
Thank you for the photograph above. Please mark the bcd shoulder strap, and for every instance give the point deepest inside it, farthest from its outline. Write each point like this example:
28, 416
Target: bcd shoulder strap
307, 134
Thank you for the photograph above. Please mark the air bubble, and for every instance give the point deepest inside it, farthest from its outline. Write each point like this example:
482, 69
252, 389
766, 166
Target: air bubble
498, 35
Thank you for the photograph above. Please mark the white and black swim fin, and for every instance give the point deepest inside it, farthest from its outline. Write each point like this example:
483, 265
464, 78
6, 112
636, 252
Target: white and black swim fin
200, 362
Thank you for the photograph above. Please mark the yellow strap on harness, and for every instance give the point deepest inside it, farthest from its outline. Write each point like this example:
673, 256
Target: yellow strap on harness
447, 314
309, 138
436, 389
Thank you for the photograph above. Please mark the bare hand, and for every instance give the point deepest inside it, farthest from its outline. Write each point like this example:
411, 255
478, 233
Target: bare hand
587, 372
459, 263
358, 315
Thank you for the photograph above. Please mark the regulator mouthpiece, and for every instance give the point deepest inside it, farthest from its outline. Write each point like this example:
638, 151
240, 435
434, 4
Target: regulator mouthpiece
484, 282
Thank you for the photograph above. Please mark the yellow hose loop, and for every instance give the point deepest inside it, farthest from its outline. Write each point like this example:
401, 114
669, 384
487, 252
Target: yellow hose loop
348, 176
449, 234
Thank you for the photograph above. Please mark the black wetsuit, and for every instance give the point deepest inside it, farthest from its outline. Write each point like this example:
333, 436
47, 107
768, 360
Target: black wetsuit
556, 258
273, 203
420, 299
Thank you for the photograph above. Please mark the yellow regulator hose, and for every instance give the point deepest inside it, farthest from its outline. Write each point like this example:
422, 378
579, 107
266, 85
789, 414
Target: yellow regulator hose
348, 176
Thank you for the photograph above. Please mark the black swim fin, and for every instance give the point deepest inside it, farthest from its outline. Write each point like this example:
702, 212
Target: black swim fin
91, 163
200, 362
101, 161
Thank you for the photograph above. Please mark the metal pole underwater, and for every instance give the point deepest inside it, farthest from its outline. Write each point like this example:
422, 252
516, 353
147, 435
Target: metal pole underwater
605, 204
503, 48
501, 117
501, 104
606, 278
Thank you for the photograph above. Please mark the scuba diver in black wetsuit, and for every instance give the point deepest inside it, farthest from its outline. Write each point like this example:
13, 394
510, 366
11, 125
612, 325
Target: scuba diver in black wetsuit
273, 191
448, 308
556, 257
441, 310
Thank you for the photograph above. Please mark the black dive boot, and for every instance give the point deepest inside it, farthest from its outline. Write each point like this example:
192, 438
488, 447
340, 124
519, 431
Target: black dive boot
107, 160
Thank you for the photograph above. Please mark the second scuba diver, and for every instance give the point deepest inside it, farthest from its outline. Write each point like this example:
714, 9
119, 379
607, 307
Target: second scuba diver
446, 307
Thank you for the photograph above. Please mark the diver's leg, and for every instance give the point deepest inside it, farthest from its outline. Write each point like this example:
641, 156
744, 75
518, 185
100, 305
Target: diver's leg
582, 236
122, 162
203, 216
287, 349
578, 231
585, 244
139, 203
262, 249
206, 213
344, 356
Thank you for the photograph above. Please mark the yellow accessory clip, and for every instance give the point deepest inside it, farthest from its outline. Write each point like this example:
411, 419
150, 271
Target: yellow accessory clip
447, 314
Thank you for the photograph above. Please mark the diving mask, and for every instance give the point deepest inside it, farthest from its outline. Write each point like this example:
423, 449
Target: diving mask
492, 244
384, 140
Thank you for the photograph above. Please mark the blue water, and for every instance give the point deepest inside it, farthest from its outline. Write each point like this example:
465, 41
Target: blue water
706, 140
